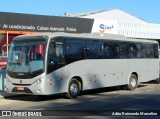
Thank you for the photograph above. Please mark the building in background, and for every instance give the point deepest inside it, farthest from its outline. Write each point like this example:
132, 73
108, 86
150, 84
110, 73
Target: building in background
13, 24
121, 22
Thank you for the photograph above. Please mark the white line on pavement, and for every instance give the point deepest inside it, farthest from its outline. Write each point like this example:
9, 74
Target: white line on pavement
40, 109
95, 99
65, 104
117, 96
150, 90
136, 92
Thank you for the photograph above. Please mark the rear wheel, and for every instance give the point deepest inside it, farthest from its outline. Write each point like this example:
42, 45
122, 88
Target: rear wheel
73, 89
133, 82
158, 81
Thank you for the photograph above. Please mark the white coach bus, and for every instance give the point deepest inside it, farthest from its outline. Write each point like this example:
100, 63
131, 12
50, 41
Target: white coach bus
53, 63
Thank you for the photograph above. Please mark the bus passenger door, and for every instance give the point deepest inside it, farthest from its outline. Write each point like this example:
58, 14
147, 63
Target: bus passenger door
55, 58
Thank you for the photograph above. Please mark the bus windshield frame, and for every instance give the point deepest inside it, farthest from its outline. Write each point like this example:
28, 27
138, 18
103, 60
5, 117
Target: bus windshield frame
27, 58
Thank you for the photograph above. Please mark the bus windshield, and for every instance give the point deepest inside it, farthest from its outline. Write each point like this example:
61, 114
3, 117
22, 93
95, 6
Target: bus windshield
26, 58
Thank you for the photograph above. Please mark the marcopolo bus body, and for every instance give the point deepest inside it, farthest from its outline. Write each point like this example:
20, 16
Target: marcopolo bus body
52, 63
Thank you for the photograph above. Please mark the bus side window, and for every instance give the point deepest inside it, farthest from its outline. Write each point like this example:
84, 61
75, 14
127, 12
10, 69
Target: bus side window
122, 50
133, 51
143, 52
151, 51
58, 57
109, 50
75, 50
147, 51
139, 48
94, 49
56, 54
50, 53
116, 52
155, 51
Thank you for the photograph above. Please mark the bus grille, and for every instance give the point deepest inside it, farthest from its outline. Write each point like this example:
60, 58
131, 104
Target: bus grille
22, 84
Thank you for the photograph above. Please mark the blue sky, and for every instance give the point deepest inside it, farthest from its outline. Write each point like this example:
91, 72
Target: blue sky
148, 10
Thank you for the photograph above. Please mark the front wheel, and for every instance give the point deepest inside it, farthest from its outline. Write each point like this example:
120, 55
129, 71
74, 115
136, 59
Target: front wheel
73, 89
133, 82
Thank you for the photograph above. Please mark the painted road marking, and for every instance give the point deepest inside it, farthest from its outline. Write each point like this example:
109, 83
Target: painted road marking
40, 109
136, 92
95, 99
66, 104
150, 90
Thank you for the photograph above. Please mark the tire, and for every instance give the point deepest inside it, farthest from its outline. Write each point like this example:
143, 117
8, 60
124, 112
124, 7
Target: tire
133, 82
158, 81
73, 89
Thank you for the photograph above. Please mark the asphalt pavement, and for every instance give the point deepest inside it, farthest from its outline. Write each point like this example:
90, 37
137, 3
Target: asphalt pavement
4, 94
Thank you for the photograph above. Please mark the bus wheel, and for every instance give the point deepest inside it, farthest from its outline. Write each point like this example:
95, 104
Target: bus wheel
132, 82
73, 89
158, 81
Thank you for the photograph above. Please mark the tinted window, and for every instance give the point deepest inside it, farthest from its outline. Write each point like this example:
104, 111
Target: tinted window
139, 49
132, 50
123, 53
110, 50
75, 50
94, 49
146, 51
150, 51
155, 51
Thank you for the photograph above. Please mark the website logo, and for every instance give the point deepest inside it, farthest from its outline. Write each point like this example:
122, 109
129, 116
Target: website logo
104, 27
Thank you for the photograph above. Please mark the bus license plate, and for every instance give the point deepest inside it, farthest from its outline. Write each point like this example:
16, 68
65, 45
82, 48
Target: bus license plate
20, 88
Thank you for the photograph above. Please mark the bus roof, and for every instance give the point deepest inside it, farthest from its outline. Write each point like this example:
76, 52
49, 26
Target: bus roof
86, 35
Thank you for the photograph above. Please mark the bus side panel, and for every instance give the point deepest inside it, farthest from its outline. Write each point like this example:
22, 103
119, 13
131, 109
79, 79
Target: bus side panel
56, 82
98, 73
112, 72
